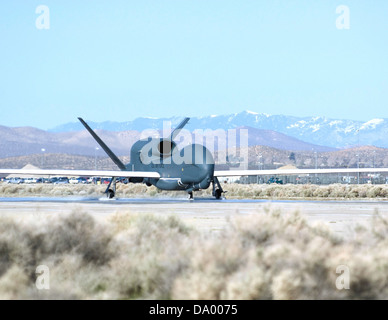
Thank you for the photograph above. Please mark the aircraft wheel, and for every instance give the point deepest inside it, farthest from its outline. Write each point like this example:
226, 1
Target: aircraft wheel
110, 194
217, 194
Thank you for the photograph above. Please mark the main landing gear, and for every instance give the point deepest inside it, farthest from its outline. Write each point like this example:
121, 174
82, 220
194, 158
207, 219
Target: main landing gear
217, 192
111, 189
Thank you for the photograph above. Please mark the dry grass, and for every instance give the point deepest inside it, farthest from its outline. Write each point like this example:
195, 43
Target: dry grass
239, 191
266, 255
292, 191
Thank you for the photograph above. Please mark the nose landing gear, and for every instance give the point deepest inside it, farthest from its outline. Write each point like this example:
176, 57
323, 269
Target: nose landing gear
217, 193
217, 190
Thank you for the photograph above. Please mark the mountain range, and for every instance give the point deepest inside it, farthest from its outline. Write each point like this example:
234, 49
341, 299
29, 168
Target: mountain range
333, 133
276, 131
27, 140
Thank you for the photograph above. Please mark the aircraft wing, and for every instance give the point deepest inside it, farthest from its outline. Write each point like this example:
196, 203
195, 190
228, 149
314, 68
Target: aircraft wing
81, 173
234, 173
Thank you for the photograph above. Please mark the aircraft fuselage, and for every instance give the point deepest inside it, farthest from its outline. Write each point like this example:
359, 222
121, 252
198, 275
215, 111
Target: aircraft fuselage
189, 169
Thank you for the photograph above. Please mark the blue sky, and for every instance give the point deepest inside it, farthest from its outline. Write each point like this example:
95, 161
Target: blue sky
119, 60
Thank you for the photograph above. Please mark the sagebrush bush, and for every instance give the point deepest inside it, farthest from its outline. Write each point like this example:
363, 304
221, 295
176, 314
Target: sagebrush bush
240, 191
263, 255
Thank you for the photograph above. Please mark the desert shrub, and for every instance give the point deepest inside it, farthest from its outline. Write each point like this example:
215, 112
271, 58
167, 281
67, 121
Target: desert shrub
152, 191
322, 192
81, 234
18, 245
153, 251
258, 192
78, 233
270, 190
208, 270
248, 283
362, 190
264, 255
131, 189
12, 283
233, 191
338, 191
254, 255
377, 192
307, 191
10, 189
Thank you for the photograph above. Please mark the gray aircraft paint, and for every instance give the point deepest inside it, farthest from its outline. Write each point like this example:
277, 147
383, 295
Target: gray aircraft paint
189, 169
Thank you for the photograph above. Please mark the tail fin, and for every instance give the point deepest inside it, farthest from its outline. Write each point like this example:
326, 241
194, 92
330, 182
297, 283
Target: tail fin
108, 151
179, 128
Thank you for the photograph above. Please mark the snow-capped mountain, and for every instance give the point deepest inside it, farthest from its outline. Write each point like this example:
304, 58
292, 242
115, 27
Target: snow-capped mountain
335, 133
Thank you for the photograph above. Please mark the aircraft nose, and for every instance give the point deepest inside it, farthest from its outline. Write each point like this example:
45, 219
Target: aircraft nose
199, 163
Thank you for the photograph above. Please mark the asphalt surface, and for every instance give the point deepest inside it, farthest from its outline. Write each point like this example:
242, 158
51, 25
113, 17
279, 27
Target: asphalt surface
206, 214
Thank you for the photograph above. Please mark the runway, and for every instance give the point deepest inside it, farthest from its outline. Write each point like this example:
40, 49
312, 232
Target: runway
204, 214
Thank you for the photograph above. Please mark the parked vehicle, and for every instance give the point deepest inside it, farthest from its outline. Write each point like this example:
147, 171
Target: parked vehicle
105, 180
62, 180
275, 180
52, 180
82, 180
92, 180
73, 180
30, 180
15, 180
122, 180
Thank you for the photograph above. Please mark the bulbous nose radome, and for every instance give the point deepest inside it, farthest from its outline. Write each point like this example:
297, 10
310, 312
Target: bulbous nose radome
201, 161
